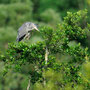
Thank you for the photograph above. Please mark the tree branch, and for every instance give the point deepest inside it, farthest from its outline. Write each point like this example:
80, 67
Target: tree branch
28, 87
46, 56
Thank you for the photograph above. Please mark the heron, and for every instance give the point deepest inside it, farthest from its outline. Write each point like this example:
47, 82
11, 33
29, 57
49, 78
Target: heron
25, 29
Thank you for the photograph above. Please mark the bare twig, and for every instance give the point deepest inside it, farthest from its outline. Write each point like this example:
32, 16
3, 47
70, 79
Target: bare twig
28, 87
46, 60
46, 56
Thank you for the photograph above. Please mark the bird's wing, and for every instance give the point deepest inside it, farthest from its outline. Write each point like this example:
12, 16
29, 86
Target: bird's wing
21, 32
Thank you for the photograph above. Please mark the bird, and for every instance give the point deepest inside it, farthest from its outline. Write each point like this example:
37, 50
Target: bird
25, 29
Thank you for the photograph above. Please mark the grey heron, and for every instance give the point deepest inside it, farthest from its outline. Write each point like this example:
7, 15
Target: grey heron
25, 29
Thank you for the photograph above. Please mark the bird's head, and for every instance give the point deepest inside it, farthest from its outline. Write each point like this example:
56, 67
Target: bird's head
32, 26
36, 27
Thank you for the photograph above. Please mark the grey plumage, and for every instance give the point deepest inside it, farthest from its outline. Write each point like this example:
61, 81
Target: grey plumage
25, 29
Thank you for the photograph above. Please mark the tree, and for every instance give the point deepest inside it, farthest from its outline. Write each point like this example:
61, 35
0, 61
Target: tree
46, 67
16, 13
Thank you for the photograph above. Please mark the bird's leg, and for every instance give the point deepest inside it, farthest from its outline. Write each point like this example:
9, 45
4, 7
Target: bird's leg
27, 36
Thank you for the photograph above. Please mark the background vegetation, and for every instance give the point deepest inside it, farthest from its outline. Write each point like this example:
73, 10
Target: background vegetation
66, 32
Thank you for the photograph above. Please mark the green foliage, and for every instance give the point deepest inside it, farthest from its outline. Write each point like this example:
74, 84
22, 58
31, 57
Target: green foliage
76, 27
50, 16
61, 5
14, 81
69, 57
56, 74
7, 34
13, 1
11, 14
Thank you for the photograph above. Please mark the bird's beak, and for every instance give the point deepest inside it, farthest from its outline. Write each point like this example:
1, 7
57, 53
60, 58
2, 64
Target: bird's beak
37, 29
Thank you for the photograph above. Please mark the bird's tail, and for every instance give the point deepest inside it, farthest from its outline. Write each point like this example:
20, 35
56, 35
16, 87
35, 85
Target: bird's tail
21, 38
17, 40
